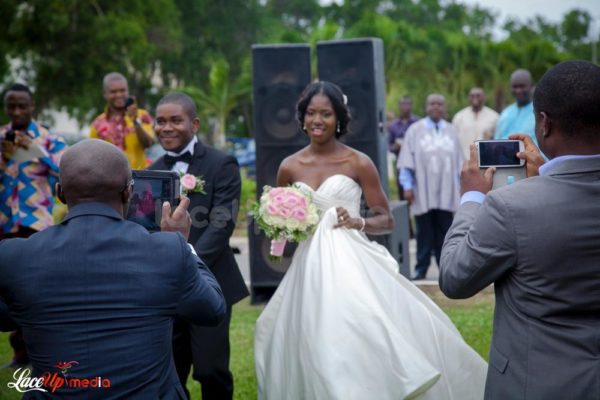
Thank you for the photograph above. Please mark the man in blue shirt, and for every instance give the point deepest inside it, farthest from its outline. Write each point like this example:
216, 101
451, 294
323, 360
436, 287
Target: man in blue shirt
518, 117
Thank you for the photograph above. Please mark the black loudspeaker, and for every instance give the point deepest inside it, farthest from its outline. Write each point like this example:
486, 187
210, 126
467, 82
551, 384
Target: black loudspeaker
279, 75
357, 67
397, 241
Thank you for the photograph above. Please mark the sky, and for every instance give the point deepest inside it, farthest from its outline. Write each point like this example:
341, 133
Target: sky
552, 10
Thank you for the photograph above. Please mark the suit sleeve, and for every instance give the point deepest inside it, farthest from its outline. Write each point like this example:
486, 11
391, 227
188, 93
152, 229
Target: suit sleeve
223, 214
479, 249
201, 300
6, 323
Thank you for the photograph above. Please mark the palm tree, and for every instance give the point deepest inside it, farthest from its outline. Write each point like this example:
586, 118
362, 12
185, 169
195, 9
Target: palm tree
221, 96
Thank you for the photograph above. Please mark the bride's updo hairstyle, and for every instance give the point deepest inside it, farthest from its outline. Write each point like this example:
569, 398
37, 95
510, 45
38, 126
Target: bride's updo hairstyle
336, 97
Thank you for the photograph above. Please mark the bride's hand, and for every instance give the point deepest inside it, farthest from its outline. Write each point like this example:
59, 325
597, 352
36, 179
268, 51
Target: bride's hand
344, 220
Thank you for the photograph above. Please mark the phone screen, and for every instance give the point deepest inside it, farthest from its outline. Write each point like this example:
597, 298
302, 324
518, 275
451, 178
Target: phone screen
502, 153
149, 192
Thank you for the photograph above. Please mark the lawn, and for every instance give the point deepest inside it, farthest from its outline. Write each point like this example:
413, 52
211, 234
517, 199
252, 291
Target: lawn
472, 317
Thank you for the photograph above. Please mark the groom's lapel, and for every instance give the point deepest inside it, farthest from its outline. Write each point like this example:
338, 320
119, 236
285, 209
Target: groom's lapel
195, 166
159, 164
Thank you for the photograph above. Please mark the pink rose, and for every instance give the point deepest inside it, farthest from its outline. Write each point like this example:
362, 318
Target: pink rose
291, 200
279, 199
285, 213
272, 209
188, 182
299, 214
275, 191
303, 202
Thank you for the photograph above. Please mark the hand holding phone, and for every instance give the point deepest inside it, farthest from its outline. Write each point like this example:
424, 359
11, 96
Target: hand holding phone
131, 107
531, 155
471, 177
502, 156
178, 221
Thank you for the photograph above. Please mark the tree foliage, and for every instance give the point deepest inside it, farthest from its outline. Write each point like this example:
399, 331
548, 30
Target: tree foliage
63, 48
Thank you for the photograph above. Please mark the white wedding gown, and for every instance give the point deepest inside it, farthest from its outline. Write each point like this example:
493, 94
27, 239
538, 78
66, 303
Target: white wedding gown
344, 324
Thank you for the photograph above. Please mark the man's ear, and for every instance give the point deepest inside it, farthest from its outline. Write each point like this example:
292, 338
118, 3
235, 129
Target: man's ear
545, 124
195, 125
126, 195
59, 193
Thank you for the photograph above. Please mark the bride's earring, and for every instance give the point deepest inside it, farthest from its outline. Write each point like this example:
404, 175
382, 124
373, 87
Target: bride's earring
338, 127
304, 127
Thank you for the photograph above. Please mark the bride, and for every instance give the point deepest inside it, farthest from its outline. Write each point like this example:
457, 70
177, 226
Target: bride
343, 324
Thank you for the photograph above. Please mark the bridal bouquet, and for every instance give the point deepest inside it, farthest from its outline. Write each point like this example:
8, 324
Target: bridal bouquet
285, 213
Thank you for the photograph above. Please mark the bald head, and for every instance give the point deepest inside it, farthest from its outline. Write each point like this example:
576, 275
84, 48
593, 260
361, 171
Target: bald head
112, 77
94, 170
520, 83
436, 107
521, 74
476, 98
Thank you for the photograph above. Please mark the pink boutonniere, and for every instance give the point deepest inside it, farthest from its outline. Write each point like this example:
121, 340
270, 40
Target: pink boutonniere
192, 184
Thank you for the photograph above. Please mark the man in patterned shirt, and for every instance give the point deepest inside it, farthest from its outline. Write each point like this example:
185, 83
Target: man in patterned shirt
26, 184
122, 123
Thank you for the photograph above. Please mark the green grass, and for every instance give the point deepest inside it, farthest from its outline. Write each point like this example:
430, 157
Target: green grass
472, 317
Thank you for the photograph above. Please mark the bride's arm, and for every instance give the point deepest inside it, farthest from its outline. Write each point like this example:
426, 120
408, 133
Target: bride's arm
284, 173
379, 219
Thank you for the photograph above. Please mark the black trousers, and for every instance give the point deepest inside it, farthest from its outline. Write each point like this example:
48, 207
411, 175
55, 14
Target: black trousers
431, 230
207, 349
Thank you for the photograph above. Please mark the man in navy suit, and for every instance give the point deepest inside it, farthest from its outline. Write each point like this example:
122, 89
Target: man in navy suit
96, 295
214, 212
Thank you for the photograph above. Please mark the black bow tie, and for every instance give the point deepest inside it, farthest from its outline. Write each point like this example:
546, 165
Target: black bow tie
171, 160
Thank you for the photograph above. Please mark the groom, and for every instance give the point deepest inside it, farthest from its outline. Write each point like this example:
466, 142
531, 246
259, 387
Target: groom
214, 212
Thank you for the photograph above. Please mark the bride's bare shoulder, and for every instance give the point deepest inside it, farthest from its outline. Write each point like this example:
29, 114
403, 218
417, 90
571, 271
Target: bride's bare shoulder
289, 166
296, 159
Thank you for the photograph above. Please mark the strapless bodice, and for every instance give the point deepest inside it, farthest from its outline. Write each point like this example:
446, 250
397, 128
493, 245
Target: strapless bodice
336, 191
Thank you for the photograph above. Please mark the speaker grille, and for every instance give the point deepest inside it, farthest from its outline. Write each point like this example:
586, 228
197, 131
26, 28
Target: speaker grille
280, 74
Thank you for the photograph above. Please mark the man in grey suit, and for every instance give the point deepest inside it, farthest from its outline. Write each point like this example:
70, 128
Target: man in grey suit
538, 241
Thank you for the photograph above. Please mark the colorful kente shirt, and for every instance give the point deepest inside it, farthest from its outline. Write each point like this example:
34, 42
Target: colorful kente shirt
26, 198
119, 130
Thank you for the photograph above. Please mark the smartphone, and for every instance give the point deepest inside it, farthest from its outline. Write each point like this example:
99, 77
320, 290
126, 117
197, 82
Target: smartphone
150, 190
10, 136
500, 153
130, 100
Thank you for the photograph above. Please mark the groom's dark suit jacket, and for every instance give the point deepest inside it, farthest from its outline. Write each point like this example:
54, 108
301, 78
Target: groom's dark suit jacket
103, 292
214, 215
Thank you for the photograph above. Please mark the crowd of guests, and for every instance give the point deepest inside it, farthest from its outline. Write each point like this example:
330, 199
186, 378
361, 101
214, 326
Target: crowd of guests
430, 152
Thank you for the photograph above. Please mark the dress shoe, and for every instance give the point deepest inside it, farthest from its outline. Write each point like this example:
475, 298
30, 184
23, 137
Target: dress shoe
417, 277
